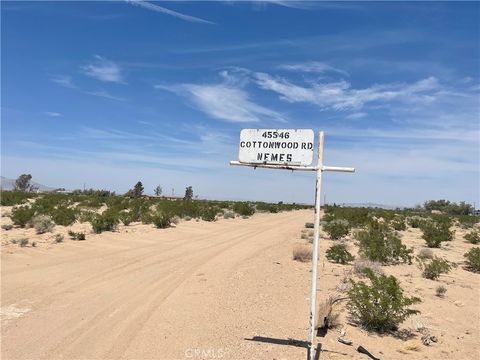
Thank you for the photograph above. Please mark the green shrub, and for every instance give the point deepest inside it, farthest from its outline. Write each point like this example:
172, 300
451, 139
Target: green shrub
42, 224
309, 225
209, 214
398, 223
86, 216
473, 237
379, 243
11, 198
22, 215
63, 215
436, 232
162, 220
437, 266
7, 227
416, 221
468, 221
105, 222
337, 228
126, 218
473, 259
339, 254
76, 235
244, 208
381, 306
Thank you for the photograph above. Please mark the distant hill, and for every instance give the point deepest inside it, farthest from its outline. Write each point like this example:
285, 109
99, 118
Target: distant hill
8, 184
371, 205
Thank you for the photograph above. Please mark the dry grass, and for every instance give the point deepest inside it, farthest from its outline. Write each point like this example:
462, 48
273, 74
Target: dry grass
361, 264
413, 345
302, 253
425, 254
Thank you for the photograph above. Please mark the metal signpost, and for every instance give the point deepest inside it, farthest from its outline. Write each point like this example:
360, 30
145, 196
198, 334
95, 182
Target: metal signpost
290, 149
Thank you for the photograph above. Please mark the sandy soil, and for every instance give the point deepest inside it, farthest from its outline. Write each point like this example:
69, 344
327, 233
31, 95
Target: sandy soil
223, 290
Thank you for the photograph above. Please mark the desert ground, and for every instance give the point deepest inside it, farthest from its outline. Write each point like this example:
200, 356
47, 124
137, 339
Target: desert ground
211, 290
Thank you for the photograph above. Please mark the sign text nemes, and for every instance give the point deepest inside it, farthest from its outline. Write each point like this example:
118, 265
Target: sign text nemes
276, 146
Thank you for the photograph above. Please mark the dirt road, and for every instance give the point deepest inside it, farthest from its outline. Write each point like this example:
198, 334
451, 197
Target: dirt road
199, 291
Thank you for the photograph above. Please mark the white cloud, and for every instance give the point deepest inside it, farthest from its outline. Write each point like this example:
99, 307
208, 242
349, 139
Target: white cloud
160, 9
341, 96
313, 67
357, 115
225, 102
52, 113
64, 80
104, 94
104, 70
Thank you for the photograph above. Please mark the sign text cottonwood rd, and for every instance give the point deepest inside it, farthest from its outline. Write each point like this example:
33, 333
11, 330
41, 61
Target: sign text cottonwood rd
276, 146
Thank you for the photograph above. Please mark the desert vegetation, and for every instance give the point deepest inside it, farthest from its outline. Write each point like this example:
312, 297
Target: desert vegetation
381, 305
369, 242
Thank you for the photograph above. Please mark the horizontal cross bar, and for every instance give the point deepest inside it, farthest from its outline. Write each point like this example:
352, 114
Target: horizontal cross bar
294, 167
336, 168
280, 167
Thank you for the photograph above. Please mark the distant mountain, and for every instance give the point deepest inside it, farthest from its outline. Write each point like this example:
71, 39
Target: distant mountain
371, 205
8, 184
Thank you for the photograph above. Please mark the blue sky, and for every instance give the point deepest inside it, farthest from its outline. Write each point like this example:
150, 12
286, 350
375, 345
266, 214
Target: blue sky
109, 93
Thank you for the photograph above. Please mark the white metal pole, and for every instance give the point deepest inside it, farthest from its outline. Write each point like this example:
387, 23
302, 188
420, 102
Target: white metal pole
313, 295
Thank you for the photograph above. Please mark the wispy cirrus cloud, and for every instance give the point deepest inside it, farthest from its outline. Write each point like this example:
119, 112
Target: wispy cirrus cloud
104, 70
224, 101
64, 80
341, 96
105, 94
67, 82
313, 67
52, 113
161, 9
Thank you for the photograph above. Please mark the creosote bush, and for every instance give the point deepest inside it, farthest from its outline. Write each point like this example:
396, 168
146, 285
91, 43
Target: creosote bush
42, 224
473, 259
436, 232
7, 227
161, 220
105, 222
336, 228
434, 268
244, 208
398, 223
76, 235
379, 243
380, 306
63, 215
22, 215
309, 225
338, 253
209, 214
126, 218
415, 221
59, 238
473, 237
302, 253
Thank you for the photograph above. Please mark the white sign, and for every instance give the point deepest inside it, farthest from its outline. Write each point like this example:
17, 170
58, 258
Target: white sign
276, 146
